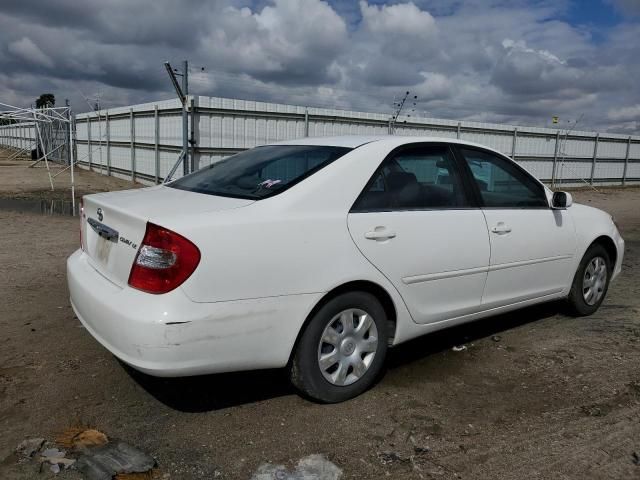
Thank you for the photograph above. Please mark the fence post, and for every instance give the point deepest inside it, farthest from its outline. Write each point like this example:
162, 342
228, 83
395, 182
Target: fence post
133, 146
195, 162
555, 160
107, 127
515, 142
156, 141
88, 122
595, 155
390, 128
458, 130
306, 121
626, 162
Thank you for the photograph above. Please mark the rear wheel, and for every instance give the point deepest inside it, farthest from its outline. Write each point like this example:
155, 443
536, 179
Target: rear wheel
591, 282
342, 349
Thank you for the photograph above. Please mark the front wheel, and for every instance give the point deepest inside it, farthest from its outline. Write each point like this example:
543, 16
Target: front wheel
591, 282
342, 349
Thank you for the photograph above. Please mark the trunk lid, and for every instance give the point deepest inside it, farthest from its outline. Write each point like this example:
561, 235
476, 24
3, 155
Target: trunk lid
114, 223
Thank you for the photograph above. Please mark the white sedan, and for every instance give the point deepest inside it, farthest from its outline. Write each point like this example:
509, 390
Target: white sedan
319, 254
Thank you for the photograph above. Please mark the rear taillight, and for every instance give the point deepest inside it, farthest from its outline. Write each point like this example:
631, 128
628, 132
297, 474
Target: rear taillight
164, 261
81, 223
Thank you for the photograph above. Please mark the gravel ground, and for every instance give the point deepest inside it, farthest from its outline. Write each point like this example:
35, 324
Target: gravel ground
535, 395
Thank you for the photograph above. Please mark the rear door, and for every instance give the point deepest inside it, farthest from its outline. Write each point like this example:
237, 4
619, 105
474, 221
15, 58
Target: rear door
532, 245
416, 224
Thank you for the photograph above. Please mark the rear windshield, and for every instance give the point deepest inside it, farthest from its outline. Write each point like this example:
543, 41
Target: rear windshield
260, 172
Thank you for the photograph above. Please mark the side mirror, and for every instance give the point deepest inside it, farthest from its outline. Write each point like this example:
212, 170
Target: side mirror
561, 200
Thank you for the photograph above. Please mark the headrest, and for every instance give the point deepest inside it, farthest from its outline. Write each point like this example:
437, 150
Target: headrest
399, 180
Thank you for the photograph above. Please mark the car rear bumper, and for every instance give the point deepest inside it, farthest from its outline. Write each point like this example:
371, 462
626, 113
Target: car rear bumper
170, 335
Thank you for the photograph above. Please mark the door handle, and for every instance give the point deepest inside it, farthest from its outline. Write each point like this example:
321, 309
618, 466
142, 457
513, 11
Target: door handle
501, 228
380, 234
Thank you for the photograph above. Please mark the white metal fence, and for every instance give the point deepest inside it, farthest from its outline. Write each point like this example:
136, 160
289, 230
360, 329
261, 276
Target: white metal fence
18, 135
144, 141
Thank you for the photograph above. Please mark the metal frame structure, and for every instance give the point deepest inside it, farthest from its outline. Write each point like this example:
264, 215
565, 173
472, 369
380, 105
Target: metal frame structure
52, 137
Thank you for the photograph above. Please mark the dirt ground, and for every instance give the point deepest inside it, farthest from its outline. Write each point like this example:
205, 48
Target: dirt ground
536, 394
14, 183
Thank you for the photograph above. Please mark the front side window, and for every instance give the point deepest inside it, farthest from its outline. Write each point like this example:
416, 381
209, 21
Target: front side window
501, 183
260, 172
412, 179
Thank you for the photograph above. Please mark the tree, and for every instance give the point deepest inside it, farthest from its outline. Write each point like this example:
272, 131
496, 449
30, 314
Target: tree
46, 100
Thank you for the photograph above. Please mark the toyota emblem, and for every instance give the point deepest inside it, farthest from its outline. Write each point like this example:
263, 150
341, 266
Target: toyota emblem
100, 216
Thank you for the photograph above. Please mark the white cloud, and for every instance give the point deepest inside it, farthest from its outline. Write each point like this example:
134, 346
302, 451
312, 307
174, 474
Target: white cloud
625, 113
289, 40
30, 52
517, 61
400, 19
521, 47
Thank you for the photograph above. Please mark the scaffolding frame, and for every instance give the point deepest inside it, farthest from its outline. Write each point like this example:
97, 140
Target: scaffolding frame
53, 142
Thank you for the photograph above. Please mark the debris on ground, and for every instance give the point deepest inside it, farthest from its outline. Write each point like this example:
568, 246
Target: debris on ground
93, 456
496, 338
635, 458
150, 475
106, 461
312, 467
29, 447
80, 438
55, 458
459, 348
418, 448
388, 457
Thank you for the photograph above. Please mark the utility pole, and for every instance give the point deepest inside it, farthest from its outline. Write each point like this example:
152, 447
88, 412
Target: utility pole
185, 116
182, 92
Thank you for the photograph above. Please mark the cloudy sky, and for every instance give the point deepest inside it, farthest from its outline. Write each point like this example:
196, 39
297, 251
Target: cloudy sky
505, 61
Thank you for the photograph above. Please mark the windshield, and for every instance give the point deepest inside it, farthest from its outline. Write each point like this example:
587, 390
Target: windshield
260, 172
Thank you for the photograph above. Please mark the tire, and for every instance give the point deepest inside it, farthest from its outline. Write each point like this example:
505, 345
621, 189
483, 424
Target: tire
352, 357
583, 299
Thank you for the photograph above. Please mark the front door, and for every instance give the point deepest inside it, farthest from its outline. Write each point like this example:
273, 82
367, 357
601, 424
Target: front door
414, 222
532, 245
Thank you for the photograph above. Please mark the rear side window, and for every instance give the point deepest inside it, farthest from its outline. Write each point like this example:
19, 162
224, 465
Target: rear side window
413, 179
260, 172
501, 183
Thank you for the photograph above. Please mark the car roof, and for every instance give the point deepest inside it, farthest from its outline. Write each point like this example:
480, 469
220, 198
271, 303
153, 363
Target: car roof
354, 141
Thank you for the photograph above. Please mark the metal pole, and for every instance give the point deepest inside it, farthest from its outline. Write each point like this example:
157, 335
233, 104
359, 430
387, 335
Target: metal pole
133, 147
100, 139
185, 118
192, 138
72, 161
458, 130
306, 122
515, 142
390, 127
89, 140
595, 155
44, 153
626, 162
68, 132
555, 160
107, 127
156, 141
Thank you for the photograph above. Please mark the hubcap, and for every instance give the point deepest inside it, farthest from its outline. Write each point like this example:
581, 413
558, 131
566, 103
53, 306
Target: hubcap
347, 347
594, 281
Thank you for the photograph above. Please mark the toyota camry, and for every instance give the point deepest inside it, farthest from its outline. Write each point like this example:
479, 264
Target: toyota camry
319, 254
